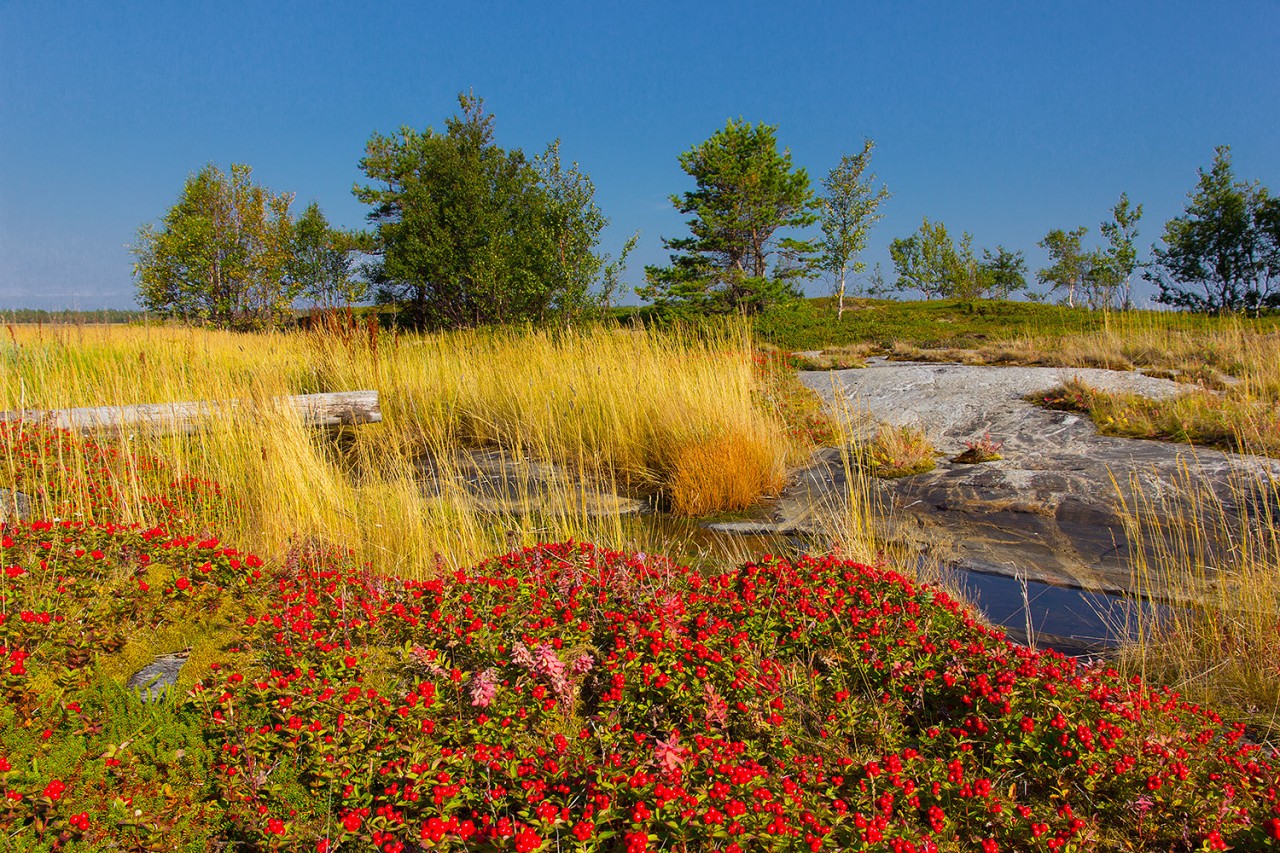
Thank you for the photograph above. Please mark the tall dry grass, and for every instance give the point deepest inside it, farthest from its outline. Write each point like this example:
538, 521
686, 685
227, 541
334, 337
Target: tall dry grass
1214, 557
656, 415
1234, 364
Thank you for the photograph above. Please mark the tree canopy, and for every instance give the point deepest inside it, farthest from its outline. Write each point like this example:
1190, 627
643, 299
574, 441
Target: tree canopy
1119, 260
468, 233
850, 208
1097, 278
1071, 265
221, 254
735, 258
323, 263
931, 262
230, 253
1223, 253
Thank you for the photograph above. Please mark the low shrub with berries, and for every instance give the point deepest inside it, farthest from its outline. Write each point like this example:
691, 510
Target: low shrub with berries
570, 697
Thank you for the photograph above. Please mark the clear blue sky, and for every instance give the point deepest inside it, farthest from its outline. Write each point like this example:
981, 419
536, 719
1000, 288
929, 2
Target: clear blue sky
1005, 119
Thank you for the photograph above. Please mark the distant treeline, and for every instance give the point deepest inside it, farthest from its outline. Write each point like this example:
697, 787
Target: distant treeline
39, 315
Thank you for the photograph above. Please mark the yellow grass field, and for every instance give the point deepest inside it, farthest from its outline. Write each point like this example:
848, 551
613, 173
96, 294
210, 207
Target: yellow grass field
679, 420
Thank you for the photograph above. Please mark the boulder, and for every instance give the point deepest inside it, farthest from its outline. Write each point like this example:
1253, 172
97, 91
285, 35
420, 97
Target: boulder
1053, 509
155, 678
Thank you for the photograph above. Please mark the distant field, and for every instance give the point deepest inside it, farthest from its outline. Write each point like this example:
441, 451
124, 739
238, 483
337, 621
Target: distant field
812, 324
36, 315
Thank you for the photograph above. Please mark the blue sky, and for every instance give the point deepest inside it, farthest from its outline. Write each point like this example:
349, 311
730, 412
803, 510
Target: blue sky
1005, 119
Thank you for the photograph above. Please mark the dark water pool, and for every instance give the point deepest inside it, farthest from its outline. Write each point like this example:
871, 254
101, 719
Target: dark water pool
1072, 621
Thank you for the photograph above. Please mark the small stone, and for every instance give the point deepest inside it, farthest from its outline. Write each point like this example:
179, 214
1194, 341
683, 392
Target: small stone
14, 506
158, 676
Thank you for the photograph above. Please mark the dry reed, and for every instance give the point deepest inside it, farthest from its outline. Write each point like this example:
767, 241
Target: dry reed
644, 413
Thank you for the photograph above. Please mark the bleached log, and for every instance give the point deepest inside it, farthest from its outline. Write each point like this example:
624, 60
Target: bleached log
339, 408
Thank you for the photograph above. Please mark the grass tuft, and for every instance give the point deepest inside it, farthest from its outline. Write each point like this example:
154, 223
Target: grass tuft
726, 473
899, 451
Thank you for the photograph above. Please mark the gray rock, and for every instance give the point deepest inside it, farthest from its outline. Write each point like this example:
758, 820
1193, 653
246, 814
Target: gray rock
498, 483
1053, 508
753, 528
158, 676
14, 506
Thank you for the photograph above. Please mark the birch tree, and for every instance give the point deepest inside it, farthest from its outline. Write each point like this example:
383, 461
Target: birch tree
850, 208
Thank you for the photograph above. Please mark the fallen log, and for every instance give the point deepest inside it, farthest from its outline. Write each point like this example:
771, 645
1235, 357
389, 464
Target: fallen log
336, 409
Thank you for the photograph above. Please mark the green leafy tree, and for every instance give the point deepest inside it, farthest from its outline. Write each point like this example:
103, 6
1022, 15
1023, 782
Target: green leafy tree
468, 233
221, 255
1223, 253
1072, 264
579, 274
930, 261
747, 193
1097, 278
1119, 260
1002, 272
323, 266
850, 208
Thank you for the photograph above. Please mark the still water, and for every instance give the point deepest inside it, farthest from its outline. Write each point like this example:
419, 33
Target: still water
1073, 621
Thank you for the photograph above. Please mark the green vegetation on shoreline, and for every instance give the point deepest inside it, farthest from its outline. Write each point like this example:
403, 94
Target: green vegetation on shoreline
812, 324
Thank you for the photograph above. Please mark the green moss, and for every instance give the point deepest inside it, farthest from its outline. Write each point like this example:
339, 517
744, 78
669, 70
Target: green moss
894, 472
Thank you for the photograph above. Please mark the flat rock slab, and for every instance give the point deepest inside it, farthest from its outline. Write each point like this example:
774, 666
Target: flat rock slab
1052, 508
955, 403
496, 483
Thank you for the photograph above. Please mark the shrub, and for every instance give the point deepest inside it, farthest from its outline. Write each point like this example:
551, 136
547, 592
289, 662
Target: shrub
985, 449
726, 473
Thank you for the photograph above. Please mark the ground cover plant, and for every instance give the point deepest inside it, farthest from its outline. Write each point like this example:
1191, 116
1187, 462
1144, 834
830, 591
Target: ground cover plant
979, 450
896, 451
812, 324
565, 696
1202, 417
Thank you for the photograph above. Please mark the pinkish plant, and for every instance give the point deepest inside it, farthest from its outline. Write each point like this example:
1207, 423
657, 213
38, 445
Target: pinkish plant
984, 449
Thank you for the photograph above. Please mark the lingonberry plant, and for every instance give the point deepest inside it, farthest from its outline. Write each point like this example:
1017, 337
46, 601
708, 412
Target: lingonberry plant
571, 697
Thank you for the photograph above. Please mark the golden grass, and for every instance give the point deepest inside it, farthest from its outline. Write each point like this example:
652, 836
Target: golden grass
1224, 420
725, 473
898, 451
649, 414
836, 358
1216, 558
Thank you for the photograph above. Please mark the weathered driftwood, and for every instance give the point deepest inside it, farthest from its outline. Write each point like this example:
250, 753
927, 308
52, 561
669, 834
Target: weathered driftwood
341, 408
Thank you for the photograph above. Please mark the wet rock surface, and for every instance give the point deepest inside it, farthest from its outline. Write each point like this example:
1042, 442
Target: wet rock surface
497, 483
1052, 509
